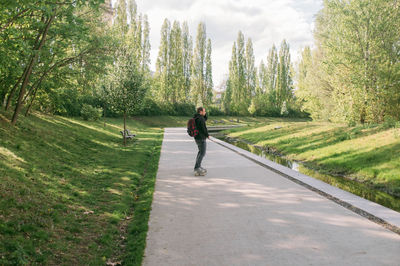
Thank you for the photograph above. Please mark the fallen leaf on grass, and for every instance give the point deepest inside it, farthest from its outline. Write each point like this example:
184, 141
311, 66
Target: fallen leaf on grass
113, 263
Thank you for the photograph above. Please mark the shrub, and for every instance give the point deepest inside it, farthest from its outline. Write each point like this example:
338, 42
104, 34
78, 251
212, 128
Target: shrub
66, 102
167, 109
150, 107
351, 123
89, 112
214, 110
389, 122
184, 109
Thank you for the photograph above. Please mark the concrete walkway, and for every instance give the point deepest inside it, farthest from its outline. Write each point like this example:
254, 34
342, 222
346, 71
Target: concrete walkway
244, 214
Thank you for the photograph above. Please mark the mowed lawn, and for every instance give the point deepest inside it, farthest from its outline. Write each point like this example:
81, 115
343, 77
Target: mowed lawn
71, 194
181, 121
370, 154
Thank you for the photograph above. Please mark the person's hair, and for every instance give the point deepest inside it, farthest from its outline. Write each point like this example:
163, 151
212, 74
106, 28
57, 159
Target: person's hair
199, 109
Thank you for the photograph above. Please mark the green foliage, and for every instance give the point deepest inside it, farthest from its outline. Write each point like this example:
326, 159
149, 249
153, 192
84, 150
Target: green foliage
214, 111
89, 112
252, 108
66, 102
47, 46
127, 81
265, 92
352, 73
201, 68
184, 109
240, 97
150, 107
389, 122
183, 75
125, 87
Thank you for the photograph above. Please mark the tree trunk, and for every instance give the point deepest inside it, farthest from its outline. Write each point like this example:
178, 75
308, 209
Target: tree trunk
11, 95
29, 70
124, 128
33, 99
38, 83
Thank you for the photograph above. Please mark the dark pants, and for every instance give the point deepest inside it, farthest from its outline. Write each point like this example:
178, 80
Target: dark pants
201, 144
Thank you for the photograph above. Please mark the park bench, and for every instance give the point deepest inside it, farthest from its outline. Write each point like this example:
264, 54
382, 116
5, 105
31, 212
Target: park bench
128, 134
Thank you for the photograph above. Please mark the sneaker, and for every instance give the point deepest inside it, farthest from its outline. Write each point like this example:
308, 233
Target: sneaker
199, 172
203, 169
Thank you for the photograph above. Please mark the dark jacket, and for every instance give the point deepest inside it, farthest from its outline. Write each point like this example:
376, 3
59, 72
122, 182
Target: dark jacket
201, 126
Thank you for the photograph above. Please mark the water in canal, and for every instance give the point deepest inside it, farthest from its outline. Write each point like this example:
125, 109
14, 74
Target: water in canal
341, 182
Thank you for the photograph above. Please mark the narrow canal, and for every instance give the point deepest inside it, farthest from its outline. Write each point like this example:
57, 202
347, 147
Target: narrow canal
341, 182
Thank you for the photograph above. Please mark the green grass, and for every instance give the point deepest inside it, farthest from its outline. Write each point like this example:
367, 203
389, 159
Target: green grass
181, 121
369, 154
71, 194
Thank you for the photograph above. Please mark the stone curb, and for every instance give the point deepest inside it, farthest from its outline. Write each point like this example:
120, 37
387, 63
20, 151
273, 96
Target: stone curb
371, 210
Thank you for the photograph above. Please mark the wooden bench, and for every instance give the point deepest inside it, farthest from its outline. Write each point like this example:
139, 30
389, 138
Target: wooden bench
128, 134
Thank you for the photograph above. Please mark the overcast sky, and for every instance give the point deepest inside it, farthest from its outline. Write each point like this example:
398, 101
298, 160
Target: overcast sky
264, 21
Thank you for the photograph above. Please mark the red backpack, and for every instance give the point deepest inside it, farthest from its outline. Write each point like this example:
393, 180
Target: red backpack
191, 128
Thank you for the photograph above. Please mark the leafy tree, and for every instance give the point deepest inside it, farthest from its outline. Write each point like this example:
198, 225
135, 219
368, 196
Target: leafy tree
45, 38
232, 83
358, 41
200, 93
271, 75
252, 108
251, 80
314, 93
208, 78
177, 77
241, 76
125, 88
163, 64
187, 54
238, 83
284, 82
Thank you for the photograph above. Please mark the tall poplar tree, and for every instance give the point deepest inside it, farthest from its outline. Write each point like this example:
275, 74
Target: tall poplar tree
177, 77
146, 46
163, 64
271, 73
250, 69
199, 91
241, 75
284, 80
232, 82
121, 21
187, 54
208, 78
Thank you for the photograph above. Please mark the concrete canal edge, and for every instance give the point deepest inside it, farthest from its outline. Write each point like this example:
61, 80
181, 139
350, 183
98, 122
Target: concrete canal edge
377, 213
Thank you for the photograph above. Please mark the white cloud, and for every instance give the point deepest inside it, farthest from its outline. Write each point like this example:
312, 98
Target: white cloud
264, 21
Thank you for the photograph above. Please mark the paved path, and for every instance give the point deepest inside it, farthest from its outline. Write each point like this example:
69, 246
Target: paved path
244, 214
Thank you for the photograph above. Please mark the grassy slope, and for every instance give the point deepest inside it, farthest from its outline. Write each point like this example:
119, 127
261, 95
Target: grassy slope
369, 154
71, 194
180, 121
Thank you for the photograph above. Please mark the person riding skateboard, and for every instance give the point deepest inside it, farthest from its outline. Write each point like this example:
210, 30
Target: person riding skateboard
200, 119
